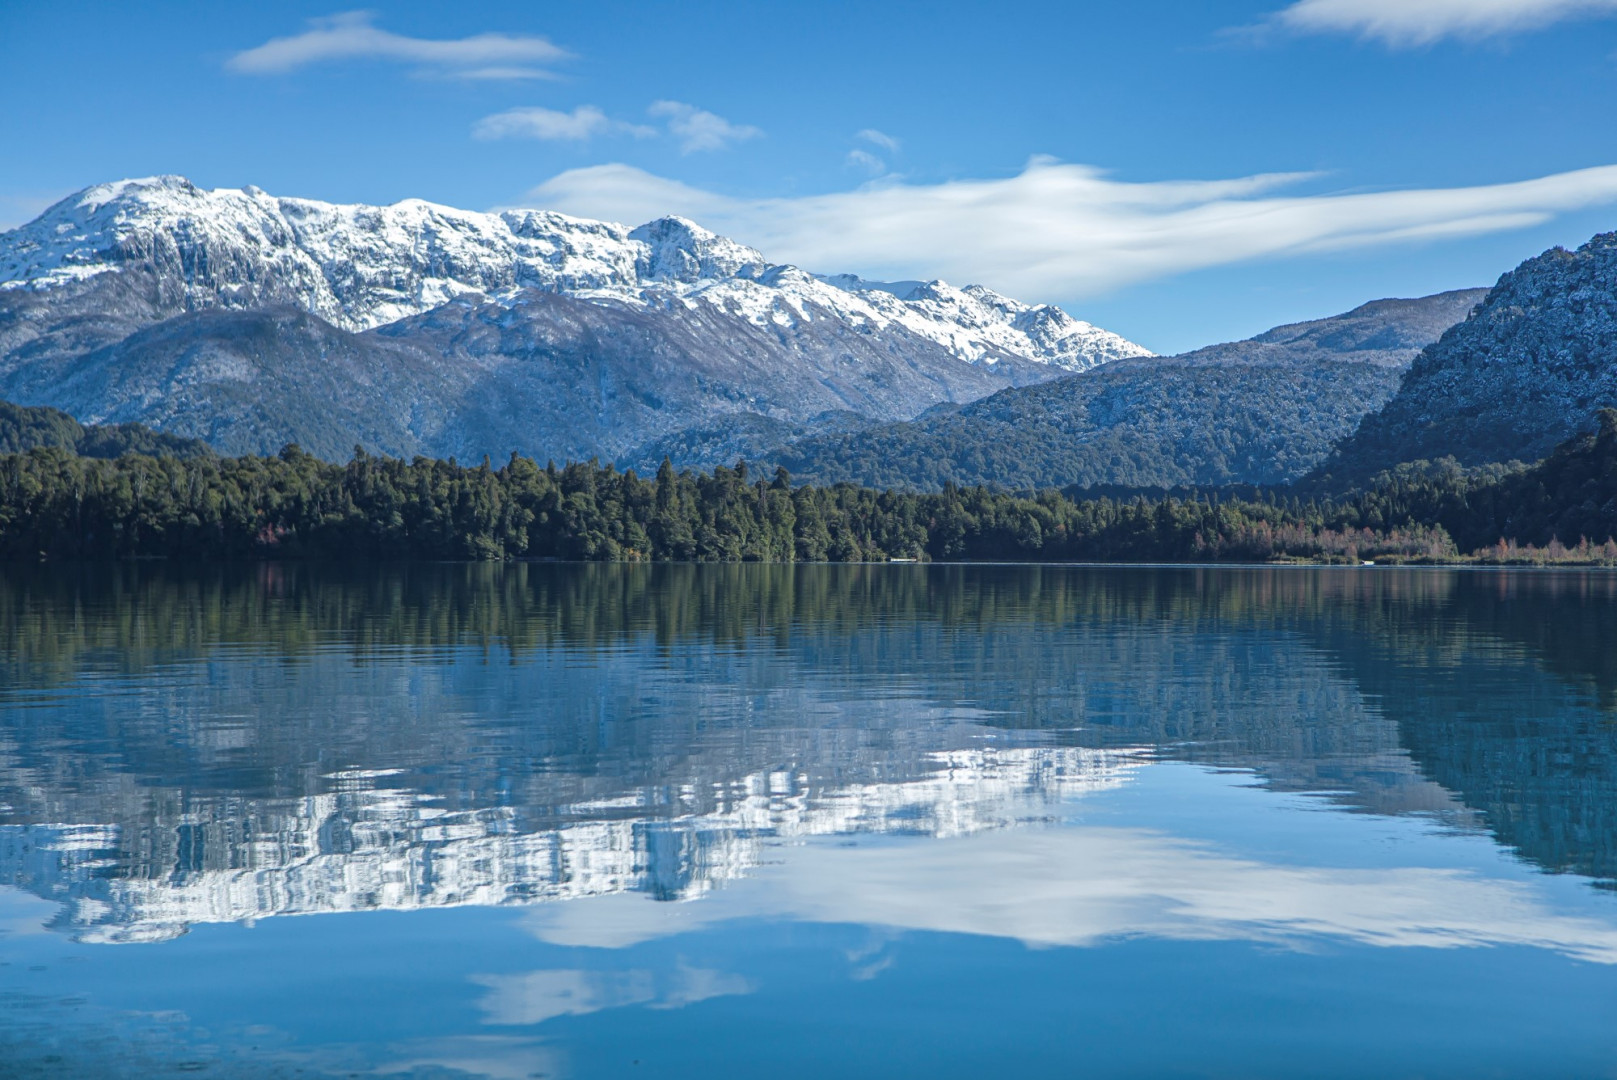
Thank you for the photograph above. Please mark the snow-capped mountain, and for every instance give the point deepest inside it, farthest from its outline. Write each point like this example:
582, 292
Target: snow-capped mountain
253, 321
399, 850
360, 267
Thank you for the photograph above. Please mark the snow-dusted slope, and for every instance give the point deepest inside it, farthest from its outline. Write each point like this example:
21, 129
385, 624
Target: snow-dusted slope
1526, 371
402, 851
359, 267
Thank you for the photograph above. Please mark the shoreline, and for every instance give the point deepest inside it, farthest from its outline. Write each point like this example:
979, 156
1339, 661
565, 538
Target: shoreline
1282, 564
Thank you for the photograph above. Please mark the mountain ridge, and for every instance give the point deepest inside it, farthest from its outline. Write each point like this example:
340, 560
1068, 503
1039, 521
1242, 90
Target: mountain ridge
416, 328
1261, 411
359, 266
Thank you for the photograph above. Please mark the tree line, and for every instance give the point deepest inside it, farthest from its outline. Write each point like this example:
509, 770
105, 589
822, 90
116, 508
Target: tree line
57, 504
24, 427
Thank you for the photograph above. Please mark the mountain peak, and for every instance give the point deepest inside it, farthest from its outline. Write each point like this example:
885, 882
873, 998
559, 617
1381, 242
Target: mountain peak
138, 185
361, 266
681, 250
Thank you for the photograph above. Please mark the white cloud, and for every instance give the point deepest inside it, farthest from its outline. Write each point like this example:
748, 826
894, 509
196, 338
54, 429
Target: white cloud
351, 36
863, 159
1405, 23
872, 163
534, 122
1068, 231
501, 73
537, 996
879, 138
697, 129
1083, 885
494, 1057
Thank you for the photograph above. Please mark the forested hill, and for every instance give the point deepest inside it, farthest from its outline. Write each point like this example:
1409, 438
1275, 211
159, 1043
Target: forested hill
1525, 372
24, 428
58, 505
1262, 411
1568, 497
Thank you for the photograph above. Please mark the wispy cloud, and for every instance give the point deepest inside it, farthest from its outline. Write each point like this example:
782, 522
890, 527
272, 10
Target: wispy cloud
870, 163
537, 996
352, 36
1061, 231
873, 163
492, 73
535, 122
880, 139
1410, 23
697, 129
1085, 885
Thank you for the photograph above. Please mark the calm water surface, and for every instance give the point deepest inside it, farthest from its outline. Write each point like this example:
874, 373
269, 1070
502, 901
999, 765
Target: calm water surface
592, 821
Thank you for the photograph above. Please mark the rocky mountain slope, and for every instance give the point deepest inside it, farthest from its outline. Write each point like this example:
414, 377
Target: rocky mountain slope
1261, 411
216, 314
358, 267
1525, 372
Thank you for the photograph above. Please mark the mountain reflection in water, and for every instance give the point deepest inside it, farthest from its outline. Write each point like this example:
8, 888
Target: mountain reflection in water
250, 742
181, 748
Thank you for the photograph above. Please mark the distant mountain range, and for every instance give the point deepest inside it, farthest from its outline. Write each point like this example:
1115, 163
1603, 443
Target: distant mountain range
1483, 377
1262, 411
249, 321
252, 321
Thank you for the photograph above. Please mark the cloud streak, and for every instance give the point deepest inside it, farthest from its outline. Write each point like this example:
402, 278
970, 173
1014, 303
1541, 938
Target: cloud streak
1413, 23
537, 996
1069, 231
870, 163
351, 36
697, 129
879, 138
1084, 885
535, 122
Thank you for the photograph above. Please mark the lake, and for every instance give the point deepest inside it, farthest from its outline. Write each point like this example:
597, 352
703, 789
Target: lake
568, 821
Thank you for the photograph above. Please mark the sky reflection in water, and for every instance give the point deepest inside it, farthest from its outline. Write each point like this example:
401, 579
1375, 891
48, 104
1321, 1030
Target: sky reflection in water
603, 821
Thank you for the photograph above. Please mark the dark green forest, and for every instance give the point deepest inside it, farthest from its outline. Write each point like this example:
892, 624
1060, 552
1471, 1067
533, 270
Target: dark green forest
25, 427
1162, 424
59, 504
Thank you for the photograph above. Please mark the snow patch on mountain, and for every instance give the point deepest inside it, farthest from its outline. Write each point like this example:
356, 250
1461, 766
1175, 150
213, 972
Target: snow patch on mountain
360, 267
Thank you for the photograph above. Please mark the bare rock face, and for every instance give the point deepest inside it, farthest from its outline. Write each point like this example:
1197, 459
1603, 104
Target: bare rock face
252, 321
1528, 370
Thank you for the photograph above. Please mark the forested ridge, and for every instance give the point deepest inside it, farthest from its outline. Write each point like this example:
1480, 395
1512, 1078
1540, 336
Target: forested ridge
56, 504
1266, 410
1134, 423
24, 427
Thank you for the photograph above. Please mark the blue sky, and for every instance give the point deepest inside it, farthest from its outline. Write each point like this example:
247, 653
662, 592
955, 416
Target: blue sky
1102, 156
